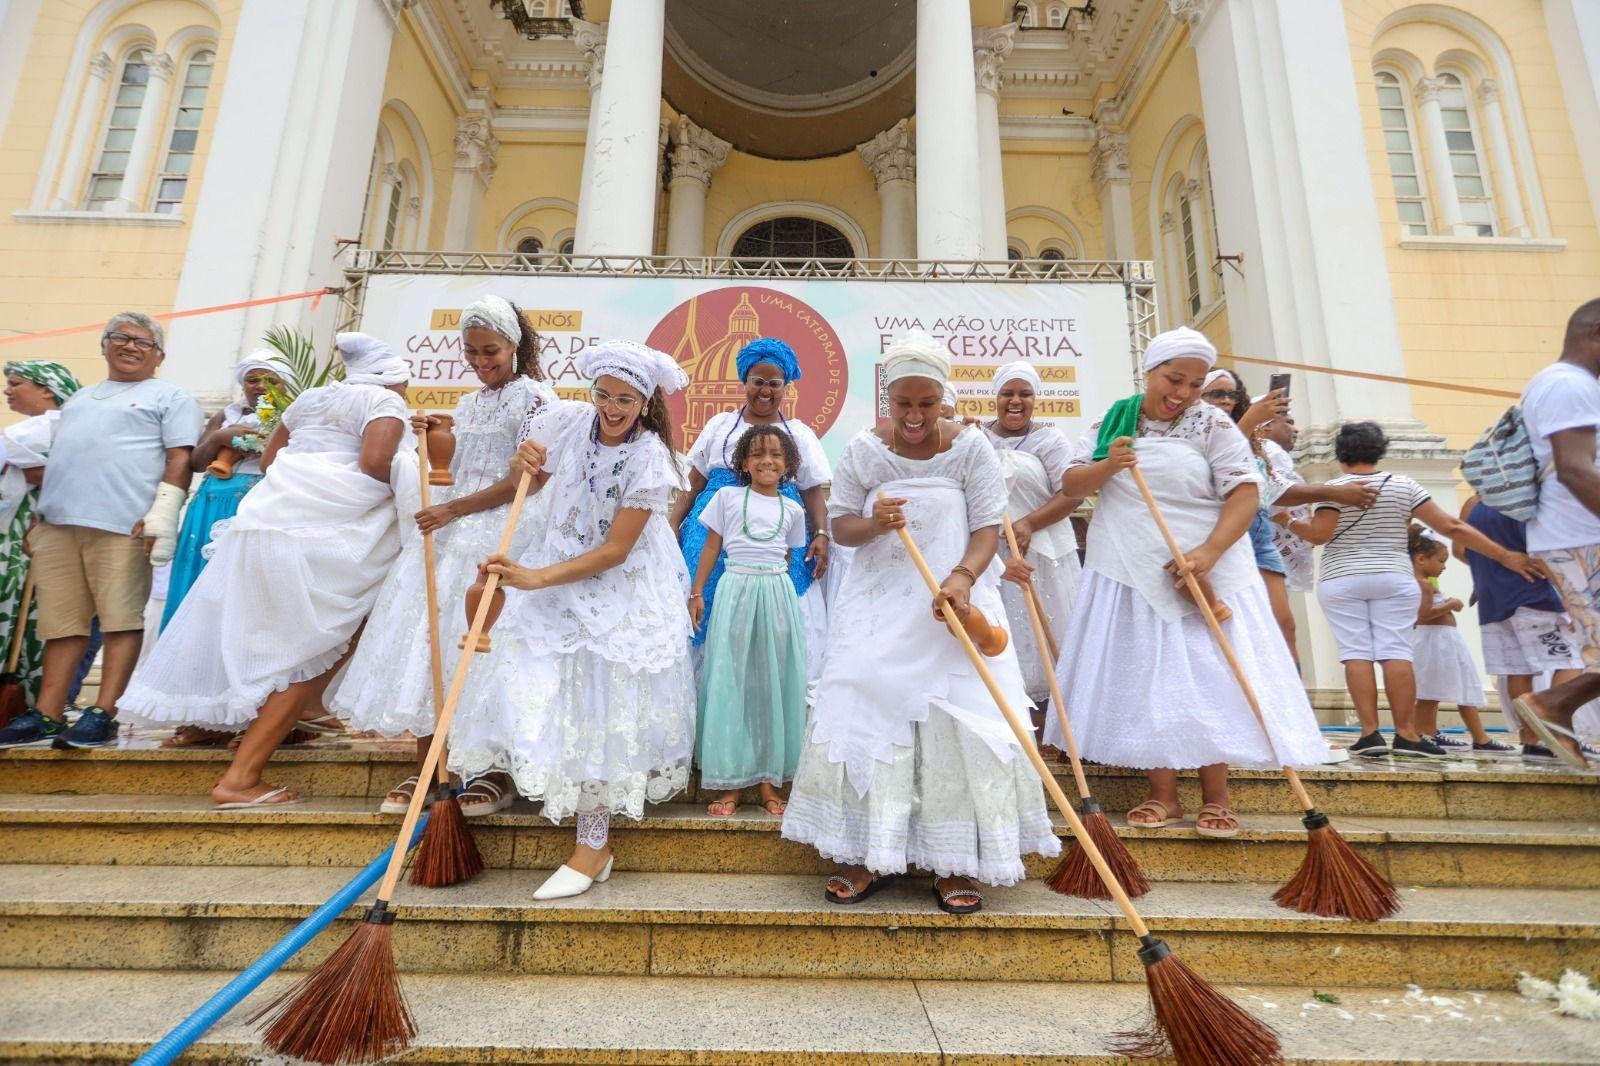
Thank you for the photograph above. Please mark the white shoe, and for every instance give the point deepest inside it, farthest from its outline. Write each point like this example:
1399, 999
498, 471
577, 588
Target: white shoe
567, 882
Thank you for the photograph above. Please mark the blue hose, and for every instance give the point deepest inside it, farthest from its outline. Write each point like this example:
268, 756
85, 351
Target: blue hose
168, 1048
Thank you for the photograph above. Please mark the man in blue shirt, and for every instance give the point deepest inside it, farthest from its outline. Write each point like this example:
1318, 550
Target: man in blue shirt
108, 509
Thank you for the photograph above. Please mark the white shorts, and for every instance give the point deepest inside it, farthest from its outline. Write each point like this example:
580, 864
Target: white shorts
1371, 615
1530, 643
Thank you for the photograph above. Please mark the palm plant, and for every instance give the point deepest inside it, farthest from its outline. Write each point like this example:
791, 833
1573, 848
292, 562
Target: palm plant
305, 371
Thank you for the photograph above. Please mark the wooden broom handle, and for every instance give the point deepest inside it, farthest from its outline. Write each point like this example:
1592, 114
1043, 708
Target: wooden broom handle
1216, 631
1036, 617
435, 657
447, 713
24, 604
1025, 738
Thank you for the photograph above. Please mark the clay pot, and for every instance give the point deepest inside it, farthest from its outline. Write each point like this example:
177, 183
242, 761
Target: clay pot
496, 605
222, 466
989, 639
1218, 608
441, 449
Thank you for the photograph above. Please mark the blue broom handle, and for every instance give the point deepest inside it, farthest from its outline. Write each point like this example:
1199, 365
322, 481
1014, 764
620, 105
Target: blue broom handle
168, 1048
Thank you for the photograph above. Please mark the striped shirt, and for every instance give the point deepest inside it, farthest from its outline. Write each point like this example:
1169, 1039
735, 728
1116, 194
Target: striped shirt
1373, 541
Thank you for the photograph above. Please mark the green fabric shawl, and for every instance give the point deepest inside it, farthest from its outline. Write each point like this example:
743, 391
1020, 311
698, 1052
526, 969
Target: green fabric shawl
1122, 420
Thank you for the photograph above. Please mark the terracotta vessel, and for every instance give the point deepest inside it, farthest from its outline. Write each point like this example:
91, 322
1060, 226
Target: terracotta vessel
990, 639
441, 449
1218, 608
496, 605
222, 466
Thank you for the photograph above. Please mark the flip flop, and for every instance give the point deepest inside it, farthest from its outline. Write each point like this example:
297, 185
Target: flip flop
1217, 813
713, 808
874, 886
944, 897
781, 804
194, 736
1550, 734
1152, 806
263, 800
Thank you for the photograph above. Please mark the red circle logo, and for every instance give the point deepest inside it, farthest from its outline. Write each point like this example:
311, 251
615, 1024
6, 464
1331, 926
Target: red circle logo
705, 334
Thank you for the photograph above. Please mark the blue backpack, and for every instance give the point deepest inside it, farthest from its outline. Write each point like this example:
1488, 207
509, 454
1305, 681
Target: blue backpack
1501, 467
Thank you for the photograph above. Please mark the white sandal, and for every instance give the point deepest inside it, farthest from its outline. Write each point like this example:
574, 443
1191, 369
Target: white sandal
392, 806
483, 796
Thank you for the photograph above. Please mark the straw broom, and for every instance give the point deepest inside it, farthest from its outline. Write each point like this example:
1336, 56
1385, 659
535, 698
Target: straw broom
1075, 875
1333, 881
448, 854
1190, 1020
351, 1008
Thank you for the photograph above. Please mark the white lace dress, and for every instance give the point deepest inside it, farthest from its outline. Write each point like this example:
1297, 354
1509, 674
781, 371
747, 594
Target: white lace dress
388, 686
292, 574
908, 761
1299, 557
1033, 465
587, 699
1145, 683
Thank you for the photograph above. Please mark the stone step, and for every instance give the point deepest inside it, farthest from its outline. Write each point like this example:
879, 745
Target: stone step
711, 1022
682, 838
778, 925
1448, 788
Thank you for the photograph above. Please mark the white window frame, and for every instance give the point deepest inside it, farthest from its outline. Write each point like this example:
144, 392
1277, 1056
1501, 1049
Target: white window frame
164, 172
1469, 106
112, 105
1402, 85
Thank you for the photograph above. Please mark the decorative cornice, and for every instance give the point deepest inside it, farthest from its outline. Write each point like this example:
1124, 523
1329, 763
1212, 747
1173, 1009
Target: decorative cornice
476, 146
990, 47
1191, 12
1427, 89
393, 7
1488, 92
891, 155
590, 38
1168, 222
1108, 159
100, 66
696, 151
390, 173
160, 65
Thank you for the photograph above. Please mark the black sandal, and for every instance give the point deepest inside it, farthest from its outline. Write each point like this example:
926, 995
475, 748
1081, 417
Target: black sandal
857, 895
944, 898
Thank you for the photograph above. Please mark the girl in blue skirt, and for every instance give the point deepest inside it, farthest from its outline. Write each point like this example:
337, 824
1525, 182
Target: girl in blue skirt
753, 684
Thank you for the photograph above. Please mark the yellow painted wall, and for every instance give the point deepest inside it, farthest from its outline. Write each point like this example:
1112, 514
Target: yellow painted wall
1052, 176
413, 84
532, 167
1490, 317
56, 274
841, 182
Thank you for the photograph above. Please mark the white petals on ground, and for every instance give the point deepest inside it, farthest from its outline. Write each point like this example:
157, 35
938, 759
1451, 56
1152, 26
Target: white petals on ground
1573, 994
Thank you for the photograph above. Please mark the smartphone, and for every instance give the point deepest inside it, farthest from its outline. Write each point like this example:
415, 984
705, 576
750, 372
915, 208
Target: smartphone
1279, 381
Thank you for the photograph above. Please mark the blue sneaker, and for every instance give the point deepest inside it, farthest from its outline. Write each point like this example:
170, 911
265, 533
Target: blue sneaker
30, 729
93, 728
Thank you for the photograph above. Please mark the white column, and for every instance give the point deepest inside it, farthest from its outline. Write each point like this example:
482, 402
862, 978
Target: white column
949, 197
892, 158
290, 156
590, 37
146, 138
1441, 179
17, 19
1574, 30
990, 46
621, 183
1170, 267
90, 113
695, 153
1113, 180
1507, 189
476, 151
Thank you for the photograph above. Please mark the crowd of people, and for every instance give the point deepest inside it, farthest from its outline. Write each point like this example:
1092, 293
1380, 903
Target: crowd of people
741, 606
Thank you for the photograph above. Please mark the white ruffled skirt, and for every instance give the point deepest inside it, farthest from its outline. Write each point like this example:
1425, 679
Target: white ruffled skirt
1146, 693
945, 804
1444, 667
1055, 584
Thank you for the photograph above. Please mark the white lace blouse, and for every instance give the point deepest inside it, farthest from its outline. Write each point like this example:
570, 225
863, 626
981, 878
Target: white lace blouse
1232, 462
1047, 443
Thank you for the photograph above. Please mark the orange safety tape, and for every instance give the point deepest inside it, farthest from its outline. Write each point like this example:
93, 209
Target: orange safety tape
315, 295
1476, 390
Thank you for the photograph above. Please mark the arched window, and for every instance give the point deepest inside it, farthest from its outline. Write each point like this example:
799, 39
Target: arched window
105, 183
391, 219
1053, 255
1057, 16
566, 246
1191, 250
530, 246
1024, 14
1012, 253
1405, 171
794, 239
173, 181
1466, 163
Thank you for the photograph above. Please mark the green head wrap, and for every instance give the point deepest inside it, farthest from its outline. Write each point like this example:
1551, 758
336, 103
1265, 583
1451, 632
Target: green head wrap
47, 375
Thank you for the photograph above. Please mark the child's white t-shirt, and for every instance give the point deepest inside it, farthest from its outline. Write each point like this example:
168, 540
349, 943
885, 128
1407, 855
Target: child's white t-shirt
725, 516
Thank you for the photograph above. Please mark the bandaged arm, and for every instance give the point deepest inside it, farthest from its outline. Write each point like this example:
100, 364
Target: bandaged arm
160, 523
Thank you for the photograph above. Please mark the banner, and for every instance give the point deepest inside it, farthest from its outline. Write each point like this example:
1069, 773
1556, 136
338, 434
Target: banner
1075, 334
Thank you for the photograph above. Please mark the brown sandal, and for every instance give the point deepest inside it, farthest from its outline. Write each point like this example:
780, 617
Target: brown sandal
1164, 816
1216, 812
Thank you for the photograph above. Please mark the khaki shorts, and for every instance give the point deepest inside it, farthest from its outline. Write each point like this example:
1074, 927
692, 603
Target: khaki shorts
80, 574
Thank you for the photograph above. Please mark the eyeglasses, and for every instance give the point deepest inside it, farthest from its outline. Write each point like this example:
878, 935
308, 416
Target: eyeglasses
141, 343
765, 383
620, 404
1220, 394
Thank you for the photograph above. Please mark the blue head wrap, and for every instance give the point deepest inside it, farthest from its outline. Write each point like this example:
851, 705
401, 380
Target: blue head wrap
769, 350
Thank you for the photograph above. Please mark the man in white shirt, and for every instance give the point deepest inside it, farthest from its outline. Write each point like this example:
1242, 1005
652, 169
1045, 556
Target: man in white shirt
1561, 407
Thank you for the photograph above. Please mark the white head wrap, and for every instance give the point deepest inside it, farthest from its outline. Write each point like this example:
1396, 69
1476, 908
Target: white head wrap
369, 361
951, 400
916, 355
641, 366
261, 359
494, 313
1019, 370
1216, 375
1180, 343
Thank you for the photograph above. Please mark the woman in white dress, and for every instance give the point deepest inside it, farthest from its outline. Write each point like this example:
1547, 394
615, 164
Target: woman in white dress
908, 761
1145, 682
767, 367
1033, 458
590, 702
388, 687
293, 574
